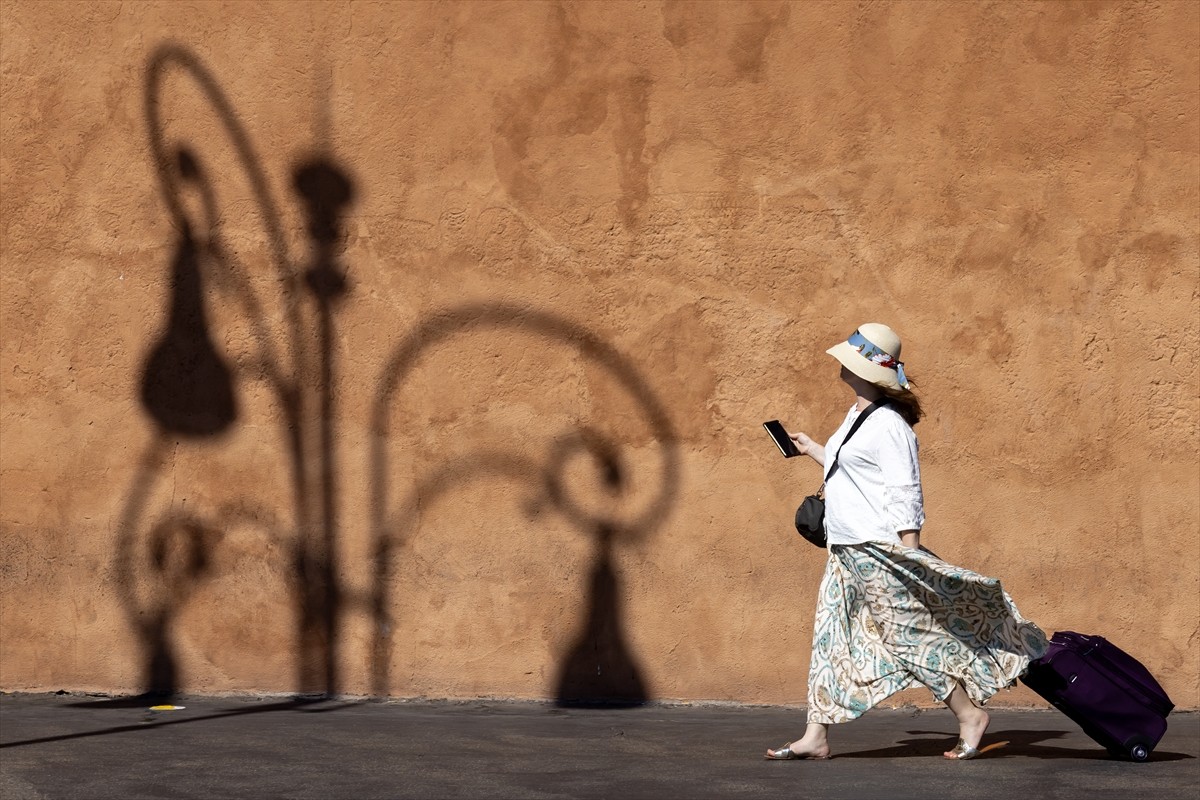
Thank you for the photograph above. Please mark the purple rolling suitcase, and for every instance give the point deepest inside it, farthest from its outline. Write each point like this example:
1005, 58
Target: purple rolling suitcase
1106, 691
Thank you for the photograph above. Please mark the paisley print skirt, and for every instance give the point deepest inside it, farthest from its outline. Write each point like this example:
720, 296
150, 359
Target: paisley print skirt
891, 617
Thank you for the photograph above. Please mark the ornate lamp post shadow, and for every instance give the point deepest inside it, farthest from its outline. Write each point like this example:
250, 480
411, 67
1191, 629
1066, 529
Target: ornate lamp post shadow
326, 192
188, 390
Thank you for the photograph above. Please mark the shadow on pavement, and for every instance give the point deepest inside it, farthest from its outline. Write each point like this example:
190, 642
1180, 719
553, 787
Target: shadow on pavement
1001, 744
155, 719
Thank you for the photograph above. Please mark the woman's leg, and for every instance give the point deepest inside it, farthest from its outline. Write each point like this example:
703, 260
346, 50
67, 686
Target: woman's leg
850, 670
957, 631
972, 720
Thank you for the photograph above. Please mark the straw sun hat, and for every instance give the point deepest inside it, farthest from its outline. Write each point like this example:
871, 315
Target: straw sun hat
873, 353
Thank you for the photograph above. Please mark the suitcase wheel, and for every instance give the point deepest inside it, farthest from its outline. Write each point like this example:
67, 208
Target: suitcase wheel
1136, 748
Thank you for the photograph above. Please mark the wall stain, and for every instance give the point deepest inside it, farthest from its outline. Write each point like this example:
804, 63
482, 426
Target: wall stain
987, 334
564, 101
722, 44
629, 140
580, 91
1050, 41
995, 247
1155, 254
1094, 252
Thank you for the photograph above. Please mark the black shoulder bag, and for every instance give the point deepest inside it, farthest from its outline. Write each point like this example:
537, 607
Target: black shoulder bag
810, 516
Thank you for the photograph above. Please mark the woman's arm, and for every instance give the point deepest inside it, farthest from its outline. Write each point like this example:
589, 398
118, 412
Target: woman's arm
904, 504
808, 447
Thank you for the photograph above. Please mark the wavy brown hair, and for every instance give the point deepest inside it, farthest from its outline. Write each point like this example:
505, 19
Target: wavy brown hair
905, 402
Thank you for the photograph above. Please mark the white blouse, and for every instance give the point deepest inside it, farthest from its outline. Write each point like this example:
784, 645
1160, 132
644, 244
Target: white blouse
876, 492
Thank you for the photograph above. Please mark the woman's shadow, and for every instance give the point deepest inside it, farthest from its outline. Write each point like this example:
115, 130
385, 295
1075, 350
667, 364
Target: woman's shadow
1001, 744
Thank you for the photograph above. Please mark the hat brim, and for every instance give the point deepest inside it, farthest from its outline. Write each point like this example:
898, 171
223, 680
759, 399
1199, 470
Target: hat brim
853, 360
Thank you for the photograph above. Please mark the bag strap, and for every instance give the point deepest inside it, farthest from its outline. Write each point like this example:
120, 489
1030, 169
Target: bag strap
857, 424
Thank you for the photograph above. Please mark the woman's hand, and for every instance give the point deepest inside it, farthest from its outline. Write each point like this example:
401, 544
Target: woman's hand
808, 447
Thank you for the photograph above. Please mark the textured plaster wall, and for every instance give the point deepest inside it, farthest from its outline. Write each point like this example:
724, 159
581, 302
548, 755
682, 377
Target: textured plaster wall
589, 249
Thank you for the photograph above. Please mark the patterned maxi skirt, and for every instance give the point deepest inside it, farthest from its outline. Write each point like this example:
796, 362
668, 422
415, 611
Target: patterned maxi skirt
890, 617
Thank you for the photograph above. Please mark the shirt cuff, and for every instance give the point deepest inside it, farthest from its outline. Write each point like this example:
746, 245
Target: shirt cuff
905, 508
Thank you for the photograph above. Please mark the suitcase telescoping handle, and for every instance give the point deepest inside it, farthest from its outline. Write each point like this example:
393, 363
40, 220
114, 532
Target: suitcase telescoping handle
1084, 645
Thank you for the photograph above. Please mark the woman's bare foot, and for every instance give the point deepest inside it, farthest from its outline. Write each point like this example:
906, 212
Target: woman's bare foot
971, 728
806, 747
972, 722
802, 750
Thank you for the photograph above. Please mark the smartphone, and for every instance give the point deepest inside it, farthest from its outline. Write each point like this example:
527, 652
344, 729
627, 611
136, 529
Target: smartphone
785, 445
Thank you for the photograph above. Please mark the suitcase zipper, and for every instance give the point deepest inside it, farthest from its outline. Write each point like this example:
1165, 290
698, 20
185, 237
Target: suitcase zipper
1156, 704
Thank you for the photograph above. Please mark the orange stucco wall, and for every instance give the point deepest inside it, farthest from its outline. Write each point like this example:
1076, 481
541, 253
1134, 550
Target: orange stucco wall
423, 349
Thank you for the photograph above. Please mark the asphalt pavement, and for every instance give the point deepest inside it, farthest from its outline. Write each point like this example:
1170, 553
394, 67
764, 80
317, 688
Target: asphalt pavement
75, 746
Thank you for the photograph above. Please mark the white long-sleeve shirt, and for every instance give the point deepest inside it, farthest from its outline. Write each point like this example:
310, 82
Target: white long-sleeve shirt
876, 492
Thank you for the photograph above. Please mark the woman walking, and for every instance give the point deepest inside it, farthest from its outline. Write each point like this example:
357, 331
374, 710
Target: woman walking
891, 615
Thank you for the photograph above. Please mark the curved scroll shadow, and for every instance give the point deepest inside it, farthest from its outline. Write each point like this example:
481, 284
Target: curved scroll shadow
599, 667
157, 574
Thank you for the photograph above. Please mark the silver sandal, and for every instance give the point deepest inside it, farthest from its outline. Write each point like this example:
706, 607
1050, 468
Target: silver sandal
785, 754
962, 751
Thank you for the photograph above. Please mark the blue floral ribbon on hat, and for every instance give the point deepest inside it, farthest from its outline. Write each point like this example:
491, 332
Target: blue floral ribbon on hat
877, 355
